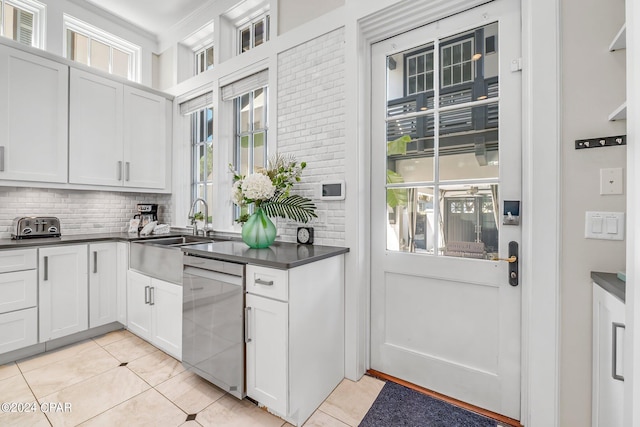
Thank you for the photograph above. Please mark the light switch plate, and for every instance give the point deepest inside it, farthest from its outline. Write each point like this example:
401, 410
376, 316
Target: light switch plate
611, 181
604, 225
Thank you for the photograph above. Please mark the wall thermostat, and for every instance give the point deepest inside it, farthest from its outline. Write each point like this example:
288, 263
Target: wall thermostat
332, 190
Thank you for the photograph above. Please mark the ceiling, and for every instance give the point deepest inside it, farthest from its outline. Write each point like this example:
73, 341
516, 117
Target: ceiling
151, 15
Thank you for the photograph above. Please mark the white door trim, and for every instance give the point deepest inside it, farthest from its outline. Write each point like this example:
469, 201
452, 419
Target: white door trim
540, 207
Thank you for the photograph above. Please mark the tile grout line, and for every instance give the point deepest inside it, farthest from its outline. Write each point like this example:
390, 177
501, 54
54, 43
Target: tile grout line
335, 418
46, 417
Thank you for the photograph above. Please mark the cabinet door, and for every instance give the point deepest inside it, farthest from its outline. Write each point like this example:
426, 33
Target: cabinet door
103, 272
608, 392
33, 117
18, 329
267, 352
166, 314
63, 283
145, 139
138, 308
95, 130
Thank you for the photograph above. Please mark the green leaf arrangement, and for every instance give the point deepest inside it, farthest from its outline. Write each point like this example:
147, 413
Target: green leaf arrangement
283, 171
294, 207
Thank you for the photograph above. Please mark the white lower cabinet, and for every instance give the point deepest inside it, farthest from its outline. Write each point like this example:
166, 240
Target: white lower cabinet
18, 299
608, 350
154, 312
62, 275
295, 336
267, 376
103, 277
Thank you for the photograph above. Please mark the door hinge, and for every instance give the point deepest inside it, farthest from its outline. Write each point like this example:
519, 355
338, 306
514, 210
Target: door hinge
516, 65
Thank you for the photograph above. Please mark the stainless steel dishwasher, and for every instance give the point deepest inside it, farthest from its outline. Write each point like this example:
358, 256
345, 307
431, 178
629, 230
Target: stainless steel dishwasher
213, 321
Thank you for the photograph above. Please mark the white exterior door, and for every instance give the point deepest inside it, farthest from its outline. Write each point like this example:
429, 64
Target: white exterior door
446, 147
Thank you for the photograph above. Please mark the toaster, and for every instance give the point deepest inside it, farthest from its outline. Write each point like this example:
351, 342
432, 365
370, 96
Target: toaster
35, 226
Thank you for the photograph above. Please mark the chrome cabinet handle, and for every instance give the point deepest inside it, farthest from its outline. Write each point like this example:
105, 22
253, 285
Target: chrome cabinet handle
614, 351
146, 294
119, 170
127, 167
95, 262
152, 295
1, 158
263, 282
247, 310
46, 268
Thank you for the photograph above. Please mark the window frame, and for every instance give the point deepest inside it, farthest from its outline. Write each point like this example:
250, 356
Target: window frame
250, 25
198, 60
195, 143
38, 39
251, 132
71, 23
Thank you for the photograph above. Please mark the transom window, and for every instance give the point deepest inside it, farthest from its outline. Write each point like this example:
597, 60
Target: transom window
253, 34
204, 59
91, 46
23, 21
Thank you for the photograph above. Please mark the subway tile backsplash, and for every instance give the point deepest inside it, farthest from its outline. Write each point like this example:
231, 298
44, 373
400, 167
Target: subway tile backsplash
80, 212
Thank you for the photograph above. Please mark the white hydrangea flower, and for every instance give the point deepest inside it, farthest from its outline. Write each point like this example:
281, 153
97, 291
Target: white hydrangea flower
236, 193
257, 187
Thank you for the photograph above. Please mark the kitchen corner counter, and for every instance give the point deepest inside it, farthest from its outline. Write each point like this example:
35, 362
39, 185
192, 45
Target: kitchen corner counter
610, 283
281, 255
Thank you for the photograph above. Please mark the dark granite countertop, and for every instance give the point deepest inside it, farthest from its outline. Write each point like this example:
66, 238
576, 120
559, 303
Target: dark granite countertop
281, 255
610, 283
78, 238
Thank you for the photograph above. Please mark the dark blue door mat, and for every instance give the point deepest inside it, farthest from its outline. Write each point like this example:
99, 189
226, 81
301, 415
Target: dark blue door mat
397, 406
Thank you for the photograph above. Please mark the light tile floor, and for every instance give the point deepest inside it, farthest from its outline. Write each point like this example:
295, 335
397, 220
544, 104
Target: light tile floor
119, 379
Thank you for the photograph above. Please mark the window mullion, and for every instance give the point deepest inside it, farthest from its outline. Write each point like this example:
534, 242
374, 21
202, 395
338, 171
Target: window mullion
436, 146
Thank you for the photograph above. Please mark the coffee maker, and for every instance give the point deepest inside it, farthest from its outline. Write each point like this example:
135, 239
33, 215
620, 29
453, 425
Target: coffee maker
147, 212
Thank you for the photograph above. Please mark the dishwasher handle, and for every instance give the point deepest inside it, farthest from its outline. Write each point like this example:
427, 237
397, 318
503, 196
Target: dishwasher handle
213, 275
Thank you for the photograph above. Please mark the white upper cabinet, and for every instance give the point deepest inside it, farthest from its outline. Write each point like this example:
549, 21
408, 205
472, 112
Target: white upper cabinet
118, 134
95, 130
33, 117
145, 139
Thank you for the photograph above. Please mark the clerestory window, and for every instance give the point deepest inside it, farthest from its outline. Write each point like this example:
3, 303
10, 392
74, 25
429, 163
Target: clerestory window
23, 21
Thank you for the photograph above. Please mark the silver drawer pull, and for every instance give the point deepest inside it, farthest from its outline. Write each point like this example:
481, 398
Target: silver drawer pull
263, 282
614, 351
198, 289
1, 158
146, 294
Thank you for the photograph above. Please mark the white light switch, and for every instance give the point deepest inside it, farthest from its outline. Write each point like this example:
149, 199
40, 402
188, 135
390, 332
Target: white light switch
611, 181
604, 225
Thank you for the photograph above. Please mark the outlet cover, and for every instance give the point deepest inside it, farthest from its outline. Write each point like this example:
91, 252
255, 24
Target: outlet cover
611, 181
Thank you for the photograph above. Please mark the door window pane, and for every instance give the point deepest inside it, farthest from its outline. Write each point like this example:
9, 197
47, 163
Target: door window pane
245, 40
245, 112
258, 33
442, 187
411, 219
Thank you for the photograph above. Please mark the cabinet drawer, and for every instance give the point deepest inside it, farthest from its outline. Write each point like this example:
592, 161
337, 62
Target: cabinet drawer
18, 329
16, 260
269, 282
18, 290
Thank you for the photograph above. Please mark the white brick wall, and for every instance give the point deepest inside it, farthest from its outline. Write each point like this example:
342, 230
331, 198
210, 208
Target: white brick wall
311, 125
80, 212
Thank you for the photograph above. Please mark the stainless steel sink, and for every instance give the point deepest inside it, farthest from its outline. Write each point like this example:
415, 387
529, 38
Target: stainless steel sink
161, 258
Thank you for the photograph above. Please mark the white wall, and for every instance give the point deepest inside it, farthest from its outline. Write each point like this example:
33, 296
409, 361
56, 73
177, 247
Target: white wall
292, 13
593, 82
311, 125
